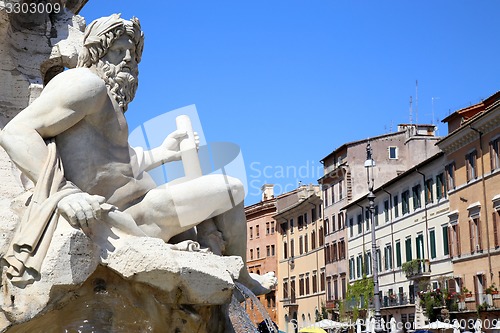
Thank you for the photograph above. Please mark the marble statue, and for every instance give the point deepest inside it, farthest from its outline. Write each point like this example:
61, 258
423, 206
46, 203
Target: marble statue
72, 143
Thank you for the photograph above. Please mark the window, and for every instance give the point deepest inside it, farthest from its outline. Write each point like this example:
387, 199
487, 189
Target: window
455, 240
351, 268
257, 231
496, 228
301, 245
251, 254
395, 200
308, 291
313, 214
285, 289
398, 254
379, 260
268, 228
300, 222
446, 244
386, 210
306, 245
258, 253
375, 215
419, 243
315, 282
359, 266
333, 194
334, 224
393, 153
494, 154
450, 175
351, 227
470, 165
432, 239
360, 224
291, 226
292, 248
313, 239
325, 196
326, 226
342, 249
340, 220
268, 250
251, 232
368, 263
367, 219
327, 253
416, 196
322, 281
388, 257
475, 234
334, 251
301, 286
285, 251
408, 249
273, 250
440, 187
405, 200
321, 237
429, 197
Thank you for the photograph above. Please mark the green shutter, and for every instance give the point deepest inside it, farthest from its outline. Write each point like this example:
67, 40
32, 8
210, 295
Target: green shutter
446, 244
408, 249
432, 237
398, 254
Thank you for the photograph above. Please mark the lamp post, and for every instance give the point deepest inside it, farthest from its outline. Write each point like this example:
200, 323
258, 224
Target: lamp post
369, 164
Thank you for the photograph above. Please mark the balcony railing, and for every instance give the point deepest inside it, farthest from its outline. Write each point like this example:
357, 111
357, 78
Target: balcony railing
397, 300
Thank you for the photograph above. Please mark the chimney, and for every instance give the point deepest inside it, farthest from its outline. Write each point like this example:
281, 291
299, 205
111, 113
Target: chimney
267, 191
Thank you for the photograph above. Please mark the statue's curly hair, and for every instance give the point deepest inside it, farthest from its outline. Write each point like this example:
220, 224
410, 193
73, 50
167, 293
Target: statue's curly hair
101, 34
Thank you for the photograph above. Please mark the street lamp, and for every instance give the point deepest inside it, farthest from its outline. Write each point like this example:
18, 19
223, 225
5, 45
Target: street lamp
369, 164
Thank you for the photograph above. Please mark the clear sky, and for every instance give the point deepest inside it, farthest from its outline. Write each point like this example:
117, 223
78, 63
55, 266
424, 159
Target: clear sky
289, 81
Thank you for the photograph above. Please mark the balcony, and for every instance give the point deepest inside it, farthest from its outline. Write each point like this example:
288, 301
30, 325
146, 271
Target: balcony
397, 300
417, 269
290, 301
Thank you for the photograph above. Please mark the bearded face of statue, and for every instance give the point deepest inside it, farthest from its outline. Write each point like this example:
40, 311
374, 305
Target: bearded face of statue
118, 68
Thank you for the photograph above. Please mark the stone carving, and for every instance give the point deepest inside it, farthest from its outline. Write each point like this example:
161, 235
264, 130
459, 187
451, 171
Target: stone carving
71, 142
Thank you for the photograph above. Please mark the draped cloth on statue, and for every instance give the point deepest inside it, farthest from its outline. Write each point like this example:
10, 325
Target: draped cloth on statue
32, 238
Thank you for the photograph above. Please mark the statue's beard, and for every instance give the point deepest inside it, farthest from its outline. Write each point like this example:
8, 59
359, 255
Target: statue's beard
121, 81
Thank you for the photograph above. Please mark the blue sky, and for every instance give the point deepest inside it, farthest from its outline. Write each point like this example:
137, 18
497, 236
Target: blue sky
290, 81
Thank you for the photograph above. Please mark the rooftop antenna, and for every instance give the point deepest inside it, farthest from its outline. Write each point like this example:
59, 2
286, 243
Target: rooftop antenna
416, 101
411, 112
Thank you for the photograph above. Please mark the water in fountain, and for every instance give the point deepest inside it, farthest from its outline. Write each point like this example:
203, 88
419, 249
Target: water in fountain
239, 317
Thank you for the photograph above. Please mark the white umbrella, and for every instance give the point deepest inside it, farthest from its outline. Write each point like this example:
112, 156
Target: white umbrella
437, 325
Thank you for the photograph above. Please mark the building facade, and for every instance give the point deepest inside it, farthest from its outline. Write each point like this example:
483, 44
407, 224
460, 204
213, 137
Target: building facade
345, 180
301, 266
412, 239
473, 184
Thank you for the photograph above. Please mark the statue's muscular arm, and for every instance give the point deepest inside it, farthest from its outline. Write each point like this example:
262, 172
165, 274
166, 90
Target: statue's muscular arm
67, 99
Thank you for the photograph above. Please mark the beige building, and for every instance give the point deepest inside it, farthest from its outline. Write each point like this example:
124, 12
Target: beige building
345, 180
301, 266
473, 184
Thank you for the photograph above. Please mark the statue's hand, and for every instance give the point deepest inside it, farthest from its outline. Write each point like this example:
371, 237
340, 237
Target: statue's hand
81, 209
171, 145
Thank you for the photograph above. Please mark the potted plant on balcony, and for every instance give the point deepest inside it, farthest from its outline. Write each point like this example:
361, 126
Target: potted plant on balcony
410, 268
491, 290
466, 292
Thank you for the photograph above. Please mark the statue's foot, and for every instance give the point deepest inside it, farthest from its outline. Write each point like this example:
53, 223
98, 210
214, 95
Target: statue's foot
260, 284
189, 246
